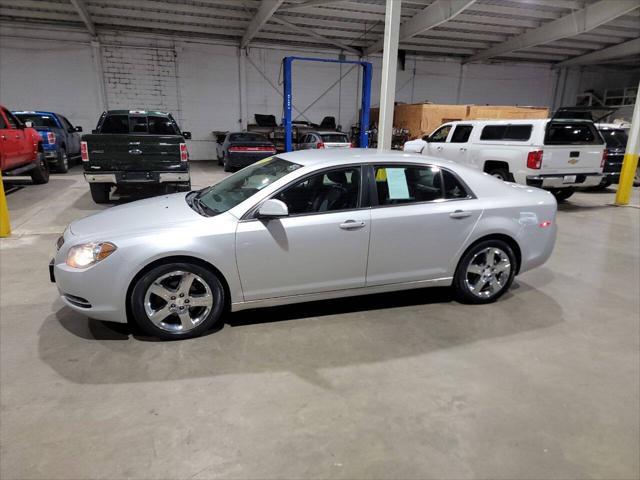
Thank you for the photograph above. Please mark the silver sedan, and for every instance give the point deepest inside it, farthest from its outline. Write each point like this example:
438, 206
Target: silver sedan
303, 226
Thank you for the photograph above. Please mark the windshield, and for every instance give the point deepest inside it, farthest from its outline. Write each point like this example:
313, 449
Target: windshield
38, 120
247, 182
615, 138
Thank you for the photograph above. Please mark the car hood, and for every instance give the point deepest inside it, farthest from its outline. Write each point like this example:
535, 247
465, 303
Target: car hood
152, 213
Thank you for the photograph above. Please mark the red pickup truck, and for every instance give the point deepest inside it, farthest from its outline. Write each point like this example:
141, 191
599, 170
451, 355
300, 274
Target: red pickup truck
21, 150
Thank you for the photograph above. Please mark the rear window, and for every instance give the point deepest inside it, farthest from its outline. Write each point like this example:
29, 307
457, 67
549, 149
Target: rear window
571, 134
615, 138
516, 133
247, 137
46, 121
115, 124
138, 125
334, 138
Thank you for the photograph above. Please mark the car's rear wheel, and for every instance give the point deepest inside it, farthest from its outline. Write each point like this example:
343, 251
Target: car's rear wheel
178, 300
62, 164
485, 272
500, 173
562, 194
40, 174
227, 166
100, 192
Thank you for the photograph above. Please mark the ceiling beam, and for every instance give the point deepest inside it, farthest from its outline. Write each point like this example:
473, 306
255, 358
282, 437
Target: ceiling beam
437, 13
625, 49
311, 33
309, 3
575, 23
262, 16
84, 15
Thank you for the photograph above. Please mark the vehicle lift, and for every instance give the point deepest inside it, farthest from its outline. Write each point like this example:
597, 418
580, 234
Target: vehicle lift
288, 97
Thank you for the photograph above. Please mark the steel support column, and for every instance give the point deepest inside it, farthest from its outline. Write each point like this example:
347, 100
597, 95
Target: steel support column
630, 163
389, 68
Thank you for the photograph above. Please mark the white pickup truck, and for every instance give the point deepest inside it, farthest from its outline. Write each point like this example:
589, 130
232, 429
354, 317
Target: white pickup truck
557, 155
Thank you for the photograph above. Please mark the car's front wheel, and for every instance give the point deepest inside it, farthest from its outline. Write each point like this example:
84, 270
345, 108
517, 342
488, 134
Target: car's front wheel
485, 272
178, 300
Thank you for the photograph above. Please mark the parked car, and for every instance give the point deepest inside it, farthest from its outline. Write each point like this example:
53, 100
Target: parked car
303, 226
616, 140
135, 149
21, 151
60, 139
556, 155
324, 139
240, 149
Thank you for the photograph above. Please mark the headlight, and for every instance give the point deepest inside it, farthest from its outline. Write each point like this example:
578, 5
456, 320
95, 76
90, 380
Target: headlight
87, 254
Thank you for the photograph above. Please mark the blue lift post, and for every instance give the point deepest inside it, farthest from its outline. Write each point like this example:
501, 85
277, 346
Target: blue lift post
288, 97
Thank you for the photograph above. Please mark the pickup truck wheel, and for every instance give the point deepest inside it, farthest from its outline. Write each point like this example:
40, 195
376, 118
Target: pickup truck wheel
501, 173
62, 164
485, 272
100, 192
177, 300
562, 194
40, 174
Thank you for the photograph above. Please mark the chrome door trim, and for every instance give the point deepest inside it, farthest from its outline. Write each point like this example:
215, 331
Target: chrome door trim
350, 292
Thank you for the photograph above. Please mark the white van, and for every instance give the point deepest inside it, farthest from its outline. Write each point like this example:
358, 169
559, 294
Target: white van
557, 155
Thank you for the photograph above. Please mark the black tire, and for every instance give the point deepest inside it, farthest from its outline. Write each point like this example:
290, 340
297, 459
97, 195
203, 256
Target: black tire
498, 279
227, 167
220, 159
100, 192
501, 173
62, 164
562, 194
169, 324
184, 187
40, 174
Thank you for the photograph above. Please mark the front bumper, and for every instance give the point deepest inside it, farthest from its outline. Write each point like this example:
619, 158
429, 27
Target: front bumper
119, 178
553, 181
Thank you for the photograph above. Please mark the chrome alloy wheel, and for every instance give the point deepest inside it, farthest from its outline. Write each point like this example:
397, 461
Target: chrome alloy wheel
488, 272
178, 301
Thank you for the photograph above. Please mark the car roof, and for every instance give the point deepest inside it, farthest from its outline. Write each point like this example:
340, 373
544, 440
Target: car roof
137, 112
332, 157
36, 112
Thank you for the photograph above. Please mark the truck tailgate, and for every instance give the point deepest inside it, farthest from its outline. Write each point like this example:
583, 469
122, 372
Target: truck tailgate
572, 159
134, 152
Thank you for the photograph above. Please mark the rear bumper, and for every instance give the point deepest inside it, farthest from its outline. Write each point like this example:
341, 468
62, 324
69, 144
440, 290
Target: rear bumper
138, 177
551, 181
239, 160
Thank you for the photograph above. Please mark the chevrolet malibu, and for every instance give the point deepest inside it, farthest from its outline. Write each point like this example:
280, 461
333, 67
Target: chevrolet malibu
303, 226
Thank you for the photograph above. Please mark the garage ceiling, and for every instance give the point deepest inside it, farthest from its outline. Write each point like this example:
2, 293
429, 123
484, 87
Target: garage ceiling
550, 31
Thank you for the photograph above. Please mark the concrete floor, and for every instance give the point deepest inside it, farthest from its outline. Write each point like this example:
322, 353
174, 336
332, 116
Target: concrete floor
542, 384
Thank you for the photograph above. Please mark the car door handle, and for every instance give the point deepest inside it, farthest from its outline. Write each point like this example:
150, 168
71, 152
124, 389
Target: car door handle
438, 148
463, 149
352, 225
460, 214
135, 151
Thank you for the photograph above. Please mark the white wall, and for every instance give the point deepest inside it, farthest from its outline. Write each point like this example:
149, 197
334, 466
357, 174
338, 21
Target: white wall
198, 80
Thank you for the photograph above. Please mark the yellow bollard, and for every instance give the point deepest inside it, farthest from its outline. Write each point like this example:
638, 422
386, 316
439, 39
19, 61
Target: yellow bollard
630, 163
5, 225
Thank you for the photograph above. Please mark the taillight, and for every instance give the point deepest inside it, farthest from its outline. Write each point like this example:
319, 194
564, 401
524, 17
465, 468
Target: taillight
184, 154
604, 158
266, 149
51, 138
534, 159
545, 224
352, 145
319, 145
84, 151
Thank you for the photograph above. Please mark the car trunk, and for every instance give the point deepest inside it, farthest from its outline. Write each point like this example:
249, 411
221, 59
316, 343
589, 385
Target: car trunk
335, 141
134, 152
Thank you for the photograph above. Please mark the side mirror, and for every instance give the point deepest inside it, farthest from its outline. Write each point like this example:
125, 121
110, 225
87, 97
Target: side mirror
186, 135
273, 208
77, 129
28, 124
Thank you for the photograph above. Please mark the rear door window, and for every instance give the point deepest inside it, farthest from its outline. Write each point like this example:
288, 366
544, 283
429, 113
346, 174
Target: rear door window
461, 134
115, 124
567, 133
407, 184
516, 133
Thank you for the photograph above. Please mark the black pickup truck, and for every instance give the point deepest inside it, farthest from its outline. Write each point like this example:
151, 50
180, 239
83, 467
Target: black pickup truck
135, 150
